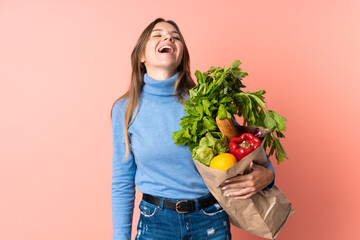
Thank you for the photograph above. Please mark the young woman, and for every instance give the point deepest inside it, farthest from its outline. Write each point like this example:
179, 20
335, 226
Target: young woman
176, 203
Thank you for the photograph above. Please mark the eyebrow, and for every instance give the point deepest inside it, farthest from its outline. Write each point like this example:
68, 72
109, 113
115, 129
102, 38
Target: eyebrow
162, 31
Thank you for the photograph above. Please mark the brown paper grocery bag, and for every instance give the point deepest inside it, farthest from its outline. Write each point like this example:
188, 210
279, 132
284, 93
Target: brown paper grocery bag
264, 214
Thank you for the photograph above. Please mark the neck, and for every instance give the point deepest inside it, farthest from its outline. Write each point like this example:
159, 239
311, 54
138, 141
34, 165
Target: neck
160, 74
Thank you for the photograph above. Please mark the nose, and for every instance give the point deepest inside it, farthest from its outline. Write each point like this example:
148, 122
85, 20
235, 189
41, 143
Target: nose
168, 37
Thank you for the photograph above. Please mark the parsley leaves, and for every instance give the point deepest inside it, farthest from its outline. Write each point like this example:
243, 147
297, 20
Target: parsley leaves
218, 93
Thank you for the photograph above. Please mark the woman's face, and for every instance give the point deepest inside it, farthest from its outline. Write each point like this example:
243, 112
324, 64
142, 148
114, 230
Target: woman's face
164, 50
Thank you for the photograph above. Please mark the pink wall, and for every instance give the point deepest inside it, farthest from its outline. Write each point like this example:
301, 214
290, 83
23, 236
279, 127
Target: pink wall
63, 63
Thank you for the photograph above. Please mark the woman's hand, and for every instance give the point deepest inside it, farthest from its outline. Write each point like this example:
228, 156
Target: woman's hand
250, 183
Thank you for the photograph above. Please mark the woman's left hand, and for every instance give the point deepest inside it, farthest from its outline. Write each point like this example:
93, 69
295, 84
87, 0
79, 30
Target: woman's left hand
250, 183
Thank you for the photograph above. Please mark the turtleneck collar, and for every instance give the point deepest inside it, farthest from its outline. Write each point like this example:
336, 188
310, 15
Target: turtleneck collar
160, 87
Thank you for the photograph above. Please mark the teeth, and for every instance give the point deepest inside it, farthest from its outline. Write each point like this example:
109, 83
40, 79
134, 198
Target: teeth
163, 47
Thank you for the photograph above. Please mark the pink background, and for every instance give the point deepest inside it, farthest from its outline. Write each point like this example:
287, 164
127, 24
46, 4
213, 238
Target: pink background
63, 64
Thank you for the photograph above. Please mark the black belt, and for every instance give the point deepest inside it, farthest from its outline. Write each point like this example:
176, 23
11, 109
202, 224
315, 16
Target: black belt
182, 206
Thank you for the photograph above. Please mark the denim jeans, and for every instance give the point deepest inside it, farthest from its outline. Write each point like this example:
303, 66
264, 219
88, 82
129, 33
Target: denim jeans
158, 223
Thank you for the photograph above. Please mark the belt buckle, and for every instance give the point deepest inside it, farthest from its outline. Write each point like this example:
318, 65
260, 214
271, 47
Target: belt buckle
177, 206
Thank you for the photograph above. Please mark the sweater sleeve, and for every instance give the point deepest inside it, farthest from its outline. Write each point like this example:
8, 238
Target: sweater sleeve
123, 174
271, 167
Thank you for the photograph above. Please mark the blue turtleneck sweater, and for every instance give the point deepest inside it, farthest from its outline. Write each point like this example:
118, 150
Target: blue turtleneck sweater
155, 165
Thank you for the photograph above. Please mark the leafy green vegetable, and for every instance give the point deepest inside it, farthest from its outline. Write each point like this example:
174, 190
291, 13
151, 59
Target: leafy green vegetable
209, 147
218, 93
204, 155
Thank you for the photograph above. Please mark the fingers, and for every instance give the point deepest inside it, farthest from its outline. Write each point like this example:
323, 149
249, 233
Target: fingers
242, 190
242, 184
239, 178
243, 193
255, 166
249, 195
245, 177
252, 165
247, 180
245, 186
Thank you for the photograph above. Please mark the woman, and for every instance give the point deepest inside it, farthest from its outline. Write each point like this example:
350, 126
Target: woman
176, 203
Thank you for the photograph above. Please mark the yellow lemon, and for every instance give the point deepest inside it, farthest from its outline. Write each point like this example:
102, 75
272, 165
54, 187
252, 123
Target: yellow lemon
223, 161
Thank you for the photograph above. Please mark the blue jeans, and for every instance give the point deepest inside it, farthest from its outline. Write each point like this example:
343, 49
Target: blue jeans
158, 223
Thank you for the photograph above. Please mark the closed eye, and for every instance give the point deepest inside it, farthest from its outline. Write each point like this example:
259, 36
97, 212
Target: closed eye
160, 36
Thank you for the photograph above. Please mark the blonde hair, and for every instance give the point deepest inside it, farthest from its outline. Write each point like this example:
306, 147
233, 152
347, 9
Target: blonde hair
183, 83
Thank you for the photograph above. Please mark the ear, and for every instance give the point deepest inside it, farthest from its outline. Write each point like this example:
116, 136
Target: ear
142, 58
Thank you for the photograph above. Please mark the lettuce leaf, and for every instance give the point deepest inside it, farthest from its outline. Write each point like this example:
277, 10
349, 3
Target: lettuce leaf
209, 147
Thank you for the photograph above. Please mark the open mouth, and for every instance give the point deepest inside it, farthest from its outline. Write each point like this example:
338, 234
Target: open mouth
166, 49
